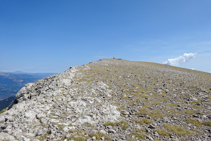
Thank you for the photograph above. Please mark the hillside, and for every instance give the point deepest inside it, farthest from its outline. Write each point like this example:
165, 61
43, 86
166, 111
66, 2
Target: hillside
113, 99
6, 102
12, 82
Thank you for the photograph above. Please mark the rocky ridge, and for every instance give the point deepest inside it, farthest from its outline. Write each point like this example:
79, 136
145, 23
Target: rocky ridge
112, 99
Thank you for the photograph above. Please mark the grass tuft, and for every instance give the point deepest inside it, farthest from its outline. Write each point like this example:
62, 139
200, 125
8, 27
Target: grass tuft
194, 122
139, 133
162, 132
142, 121
207, 123
179, 130
156, 114
123, 124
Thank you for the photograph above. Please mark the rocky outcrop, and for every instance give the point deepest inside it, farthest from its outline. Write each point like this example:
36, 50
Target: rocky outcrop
112, 100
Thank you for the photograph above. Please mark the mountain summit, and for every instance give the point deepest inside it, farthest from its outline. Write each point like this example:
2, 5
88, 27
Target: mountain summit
112, 99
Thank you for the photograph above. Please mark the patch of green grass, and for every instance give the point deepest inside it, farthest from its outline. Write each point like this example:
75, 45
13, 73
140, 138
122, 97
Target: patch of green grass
164, 99
109, 124
143, 111
142, 121
198, 131
156, 103
168, 110
61, 126
143, 99
117, 103
207, 123
146, 121
87, 124
190, 112
147, 105
139, 133
77, 135
162, 132
172, 104
196, 107
179, 130
132, 103
123, 124
145, 96
2, 111
124, 97
121, 108
180, 100
156, 114
194, 102
194, 122
43, 137
99, 135
77, 138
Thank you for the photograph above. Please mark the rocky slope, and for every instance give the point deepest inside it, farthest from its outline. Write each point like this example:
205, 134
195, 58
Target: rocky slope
12, 82
112, 99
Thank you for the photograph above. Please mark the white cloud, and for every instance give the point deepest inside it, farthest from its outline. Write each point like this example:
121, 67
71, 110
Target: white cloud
181, 59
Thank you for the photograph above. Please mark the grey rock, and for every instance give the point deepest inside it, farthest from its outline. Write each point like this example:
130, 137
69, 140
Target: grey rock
103, 131
125, 112
111, 131
152, 126
2, 119
149, 137
166, 120
5, 136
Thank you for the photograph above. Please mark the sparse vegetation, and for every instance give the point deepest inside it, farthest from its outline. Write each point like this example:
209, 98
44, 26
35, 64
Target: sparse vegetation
142, 111
179, 130
162, 132
139, 133
194, 122
207, 123
2, 111
142, 121
156, 114
190, 112
123, 124
198, 131
99, 135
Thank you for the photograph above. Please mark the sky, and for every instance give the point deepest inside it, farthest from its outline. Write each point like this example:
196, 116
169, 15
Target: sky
49, 36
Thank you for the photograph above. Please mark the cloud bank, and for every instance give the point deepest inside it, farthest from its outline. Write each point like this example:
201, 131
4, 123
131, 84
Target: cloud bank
181, 59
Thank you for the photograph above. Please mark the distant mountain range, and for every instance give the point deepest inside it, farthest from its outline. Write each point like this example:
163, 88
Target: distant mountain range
12, 82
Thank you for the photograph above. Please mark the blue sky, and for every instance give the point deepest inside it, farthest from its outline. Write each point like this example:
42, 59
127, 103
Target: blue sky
52, 35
